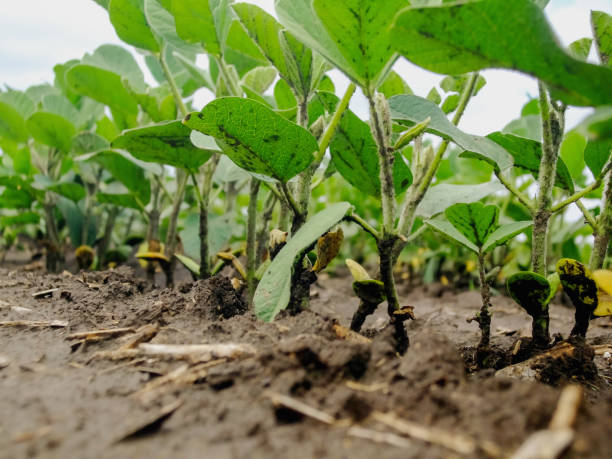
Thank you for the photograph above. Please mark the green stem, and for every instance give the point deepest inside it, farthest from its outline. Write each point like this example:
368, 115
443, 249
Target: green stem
262, 234
232, 85
385, 161
335, 121
604, 233
588, 217
106, 239
251, 244
552, 129
515, 191
173, 87
365, 225
578, 195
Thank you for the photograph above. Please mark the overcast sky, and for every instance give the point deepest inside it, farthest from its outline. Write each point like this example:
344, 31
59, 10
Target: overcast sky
37, 34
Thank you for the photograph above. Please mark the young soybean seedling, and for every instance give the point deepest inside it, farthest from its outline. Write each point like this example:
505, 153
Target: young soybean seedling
476, 227
371, 292
589, 292
533, 293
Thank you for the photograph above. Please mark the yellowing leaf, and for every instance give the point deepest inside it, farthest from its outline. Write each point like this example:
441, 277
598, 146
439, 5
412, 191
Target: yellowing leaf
328, 247
357, 271
603, 279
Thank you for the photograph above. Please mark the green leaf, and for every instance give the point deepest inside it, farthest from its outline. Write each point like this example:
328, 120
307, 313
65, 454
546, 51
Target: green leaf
355, 155
188, 263
394, 85
457, 83
530, 290
23, 218
446, 228
350, 34
101, 85
15, 199
163, 25
283, 96
12, 125
502, 34
598, 126
259, 79
121, 200
414, 109
51, 129
581, 48
504, 233
602, 31
117, 60
72, 191
125, 171
163, 143
255, 137
527, 155
475, 221
130, 23
60, 105
203, 21
439, 197
528, 126
596, 155
434, 96
572, 154
274, 289
451, 103
20, 101
87, 142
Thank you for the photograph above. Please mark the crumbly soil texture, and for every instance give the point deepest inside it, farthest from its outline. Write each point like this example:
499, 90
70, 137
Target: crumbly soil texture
300, 387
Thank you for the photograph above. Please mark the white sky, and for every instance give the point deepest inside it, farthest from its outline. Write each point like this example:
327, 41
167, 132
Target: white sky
37, 34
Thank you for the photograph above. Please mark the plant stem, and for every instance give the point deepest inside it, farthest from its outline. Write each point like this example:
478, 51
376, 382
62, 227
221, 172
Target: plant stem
262, 234
552, 129
178, 100
106, 239
55, 258
364, 224
576, 196
232, 85
251, 244
604, 228
421, 185
385, 161
588, 216
484, 316
335, 121
515, 191
171, 235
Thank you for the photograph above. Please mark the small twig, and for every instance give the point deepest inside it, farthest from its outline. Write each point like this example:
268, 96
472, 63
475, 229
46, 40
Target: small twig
99, 334
197, 353
300, 407
380, 437
459, 443
365, 225
34, 323
45, 293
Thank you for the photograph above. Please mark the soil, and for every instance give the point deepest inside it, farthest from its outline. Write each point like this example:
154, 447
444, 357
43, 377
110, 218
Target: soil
62, 398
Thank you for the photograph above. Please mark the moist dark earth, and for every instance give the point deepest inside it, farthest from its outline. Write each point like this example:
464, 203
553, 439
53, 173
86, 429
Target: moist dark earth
64, 397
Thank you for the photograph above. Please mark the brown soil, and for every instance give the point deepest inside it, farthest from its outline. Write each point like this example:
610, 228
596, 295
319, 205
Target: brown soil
57, 400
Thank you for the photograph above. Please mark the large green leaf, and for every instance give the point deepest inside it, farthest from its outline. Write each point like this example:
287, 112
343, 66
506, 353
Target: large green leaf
20, 101
274, 289
125, 171
474, 35
164, 143
70, 190
439, 197
527, 155
12, 125
203, 21
602, 30
119, 199
414, 109
255, 137
117, 60
130, 23
355, 155
475, 221
60, 105
596, 155
163, 25
292, 59
15, 199
504, 233
51, 129
351, 34
101, 85
394, 85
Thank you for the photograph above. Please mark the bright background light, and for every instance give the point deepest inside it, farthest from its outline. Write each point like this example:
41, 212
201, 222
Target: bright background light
37, 34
